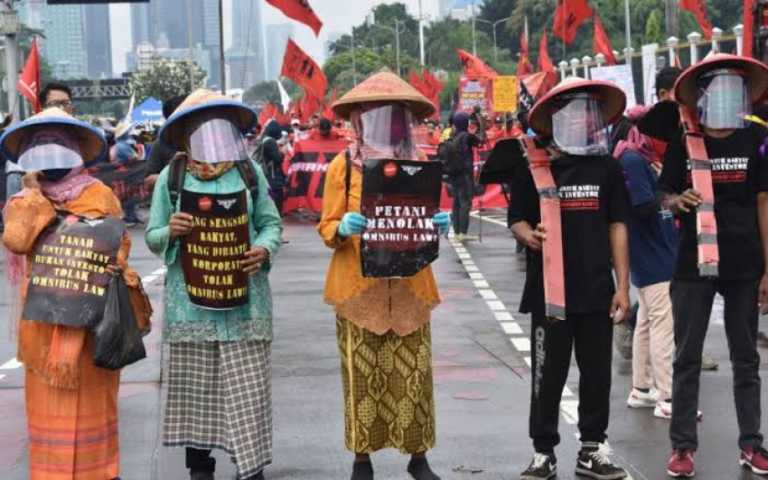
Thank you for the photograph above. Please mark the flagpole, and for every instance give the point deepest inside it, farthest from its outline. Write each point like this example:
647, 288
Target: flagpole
421, 34
628, 22
222, 60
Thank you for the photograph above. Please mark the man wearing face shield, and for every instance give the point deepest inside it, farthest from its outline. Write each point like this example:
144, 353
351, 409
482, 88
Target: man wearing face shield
379, 321
570, 123
714, 97
219, 369
68, 398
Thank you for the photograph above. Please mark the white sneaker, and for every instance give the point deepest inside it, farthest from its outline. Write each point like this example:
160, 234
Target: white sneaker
664, 410
638, 399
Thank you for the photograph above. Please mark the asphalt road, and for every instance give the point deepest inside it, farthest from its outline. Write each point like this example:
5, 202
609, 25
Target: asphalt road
481, 353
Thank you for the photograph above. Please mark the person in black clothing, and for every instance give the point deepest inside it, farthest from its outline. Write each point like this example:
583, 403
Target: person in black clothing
721, 90
161, 154
571, 123
463, 182
272, 162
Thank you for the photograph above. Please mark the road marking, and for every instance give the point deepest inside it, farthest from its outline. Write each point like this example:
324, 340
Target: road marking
154, 275
496, 305
11, 364
570, 411
476, 276
511, 328
481, 284
488, 294
567, 392
522, 344
528, 361
490, 220
503, 316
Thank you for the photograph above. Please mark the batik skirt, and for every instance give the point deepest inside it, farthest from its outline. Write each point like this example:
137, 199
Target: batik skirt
388, 391
220, 397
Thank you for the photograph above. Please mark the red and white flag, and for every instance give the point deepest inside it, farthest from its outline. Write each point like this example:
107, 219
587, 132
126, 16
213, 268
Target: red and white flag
29, 81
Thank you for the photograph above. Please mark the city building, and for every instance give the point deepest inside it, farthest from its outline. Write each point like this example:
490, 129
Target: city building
64, 46
246, 58
98, 41
277, 39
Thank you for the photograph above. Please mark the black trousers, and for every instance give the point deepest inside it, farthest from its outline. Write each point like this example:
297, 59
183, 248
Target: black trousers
691, 308
200, 460
462, 186
591, 337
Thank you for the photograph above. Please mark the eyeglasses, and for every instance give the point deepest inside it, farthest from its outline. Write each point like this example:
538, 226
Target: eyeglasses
64, 104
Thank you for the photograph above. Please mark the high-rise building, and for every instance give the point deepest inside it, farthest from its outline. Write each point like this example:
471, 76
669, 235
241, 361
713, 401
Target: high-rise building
246, 59
277, 39
98, 41
64, 47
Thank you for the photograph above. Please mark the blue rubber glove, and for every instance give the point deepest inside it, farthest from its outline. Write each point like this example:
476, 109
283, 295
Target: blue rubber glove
352, 224
443, 222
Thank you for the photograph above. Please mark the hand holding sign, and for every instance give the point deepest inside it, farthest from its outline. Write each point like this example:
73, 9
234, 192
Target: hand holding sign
255, 258
352, 224
181, 224
442, 221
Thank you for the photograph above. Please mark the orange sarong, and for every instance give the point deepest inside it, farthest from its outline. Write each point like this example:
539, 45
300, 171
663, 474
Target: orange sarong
73, 432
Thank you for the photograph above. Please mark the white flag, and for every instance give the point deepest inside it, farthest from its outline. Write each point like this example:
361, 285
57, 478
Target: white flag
285, 99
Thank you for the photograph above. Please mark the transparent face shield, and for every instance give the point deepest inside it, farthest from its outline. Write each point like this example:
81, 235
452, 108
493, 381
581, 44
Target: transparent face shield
723, 100
212, 139
51, 148
385, 131
578, 127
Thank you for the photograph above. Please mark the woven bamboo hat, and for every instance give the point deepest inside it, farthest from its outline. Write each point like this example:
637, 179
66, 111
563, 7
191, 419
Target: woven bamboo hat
384, 86
756, 73
93, 146
612, 100
201, 101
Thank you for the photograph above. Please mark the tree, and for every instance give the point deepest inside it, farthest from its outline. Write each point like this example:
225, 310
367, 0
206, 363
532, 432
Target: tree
167, 79
654, 28
268, 92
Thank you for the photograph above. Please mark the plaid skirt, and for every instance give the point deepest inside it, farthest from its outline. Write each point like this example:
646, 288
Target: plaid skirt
219, 397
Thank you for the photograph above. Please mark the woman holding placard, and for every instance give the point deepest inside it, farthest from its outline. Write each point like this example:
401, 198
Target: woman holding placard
68, 398
213, 222
383, 324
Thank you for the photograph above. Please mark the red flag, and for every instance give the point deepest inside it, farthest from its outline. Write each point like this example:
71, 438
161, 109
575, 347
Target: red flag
699, 10
749, 27
601, 43
545, 61
305, 72
267, 113
474, 67
524, 66
29, 81
300, 11
570, 14
435, 88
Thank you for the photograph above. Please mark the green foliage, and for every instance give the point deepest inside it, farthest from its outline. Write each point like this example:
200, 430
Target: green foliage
167, 79
268, 92
654, 28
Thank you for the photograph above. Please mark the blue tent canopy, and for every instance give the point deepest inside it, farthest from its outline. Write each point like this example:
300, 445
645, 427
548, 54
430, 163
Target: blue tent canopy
150, 110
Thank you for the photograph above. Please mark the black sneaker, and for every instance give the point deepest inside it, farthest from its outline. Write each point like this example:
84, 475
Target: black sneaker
594, 464
542, 467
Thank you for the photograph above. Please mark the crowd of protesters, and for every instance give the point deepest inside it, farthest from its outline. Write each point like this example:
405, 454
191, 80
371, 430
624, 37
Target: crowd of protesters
601, 198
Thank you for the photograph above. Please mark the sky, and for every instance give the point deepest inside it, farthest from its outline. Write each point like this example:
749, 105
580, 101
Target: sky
336, 15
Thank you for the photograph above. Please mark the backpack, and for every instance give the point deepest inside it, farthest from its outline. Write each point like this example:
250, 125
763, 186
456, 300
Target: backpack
178, 172
449, 154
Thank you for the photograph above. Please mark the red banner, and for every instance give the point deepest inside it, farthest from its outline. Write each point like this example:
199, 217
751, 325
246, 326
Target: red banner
306, 173
303, 70
474, 67
300, 11
569, 16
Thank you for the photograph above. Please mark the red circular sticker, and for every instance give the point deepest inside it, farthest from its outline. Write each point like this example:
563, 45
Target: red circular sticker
205, 204
390, 169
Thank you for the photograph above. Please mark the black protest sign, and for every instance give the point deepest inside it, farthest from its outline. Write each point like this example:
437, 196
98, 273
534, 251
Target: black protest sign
212, 254
399, 200
68, 279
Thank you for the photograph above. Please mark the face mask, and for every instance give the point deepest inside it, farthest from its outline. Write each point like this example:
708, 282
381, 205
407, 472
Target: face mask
216, 140
56, 174
50, 148
385, 131
723, 100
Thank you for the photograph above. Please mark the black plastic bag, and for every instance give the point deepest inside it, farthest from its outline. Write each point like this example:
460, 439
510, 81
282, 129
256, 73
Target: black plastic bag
118, 338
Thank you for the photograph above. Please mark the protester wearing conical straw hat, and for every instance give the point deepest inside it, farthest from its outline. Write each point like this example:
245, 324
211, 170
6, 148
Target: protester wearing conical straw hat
569, 208
68, 398
219, 371
725, 190
379, 321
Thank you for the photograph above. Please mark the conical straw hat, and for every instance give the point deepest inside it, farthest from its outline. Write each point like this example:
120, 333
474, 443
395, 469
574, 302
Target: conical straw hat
384, 86
93, 146
204, 100
686, 91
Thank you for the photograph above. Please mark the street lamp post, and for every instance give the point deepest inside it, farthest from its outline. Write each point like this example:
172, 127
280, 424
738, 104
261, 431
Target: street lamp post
493, 25
396, 31
354, 59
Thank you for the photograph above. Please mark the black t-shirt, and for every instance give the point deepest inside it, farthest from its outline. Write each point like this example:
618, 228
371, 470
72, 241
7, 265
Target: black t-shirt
738, 175
593, 195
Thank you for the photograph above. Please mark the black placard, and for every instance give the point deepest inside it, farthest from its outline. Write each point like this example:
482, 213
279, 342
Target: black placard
68, 281
399, 200
212, 254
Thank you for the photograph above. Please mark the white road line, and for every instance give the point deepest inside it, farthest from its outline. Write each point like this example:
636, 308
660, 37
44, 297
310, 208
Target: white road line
511, 328
11, 364
570, 411
527, 361
504, 316
567, 392
522, 344
471, 268
149, 279
481, 284
154, 275
476, 276
490, 220
496, 305
488, 294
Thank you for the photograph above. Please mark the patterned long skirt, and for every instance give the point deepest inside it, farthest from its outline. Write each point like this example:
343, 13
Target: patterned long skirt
73, 432
220, 397
388, 399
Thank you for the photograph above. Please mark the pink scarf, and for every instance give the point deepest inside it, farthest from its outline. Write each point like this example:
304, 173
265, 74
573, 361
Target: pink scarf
69, 187
637, 142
